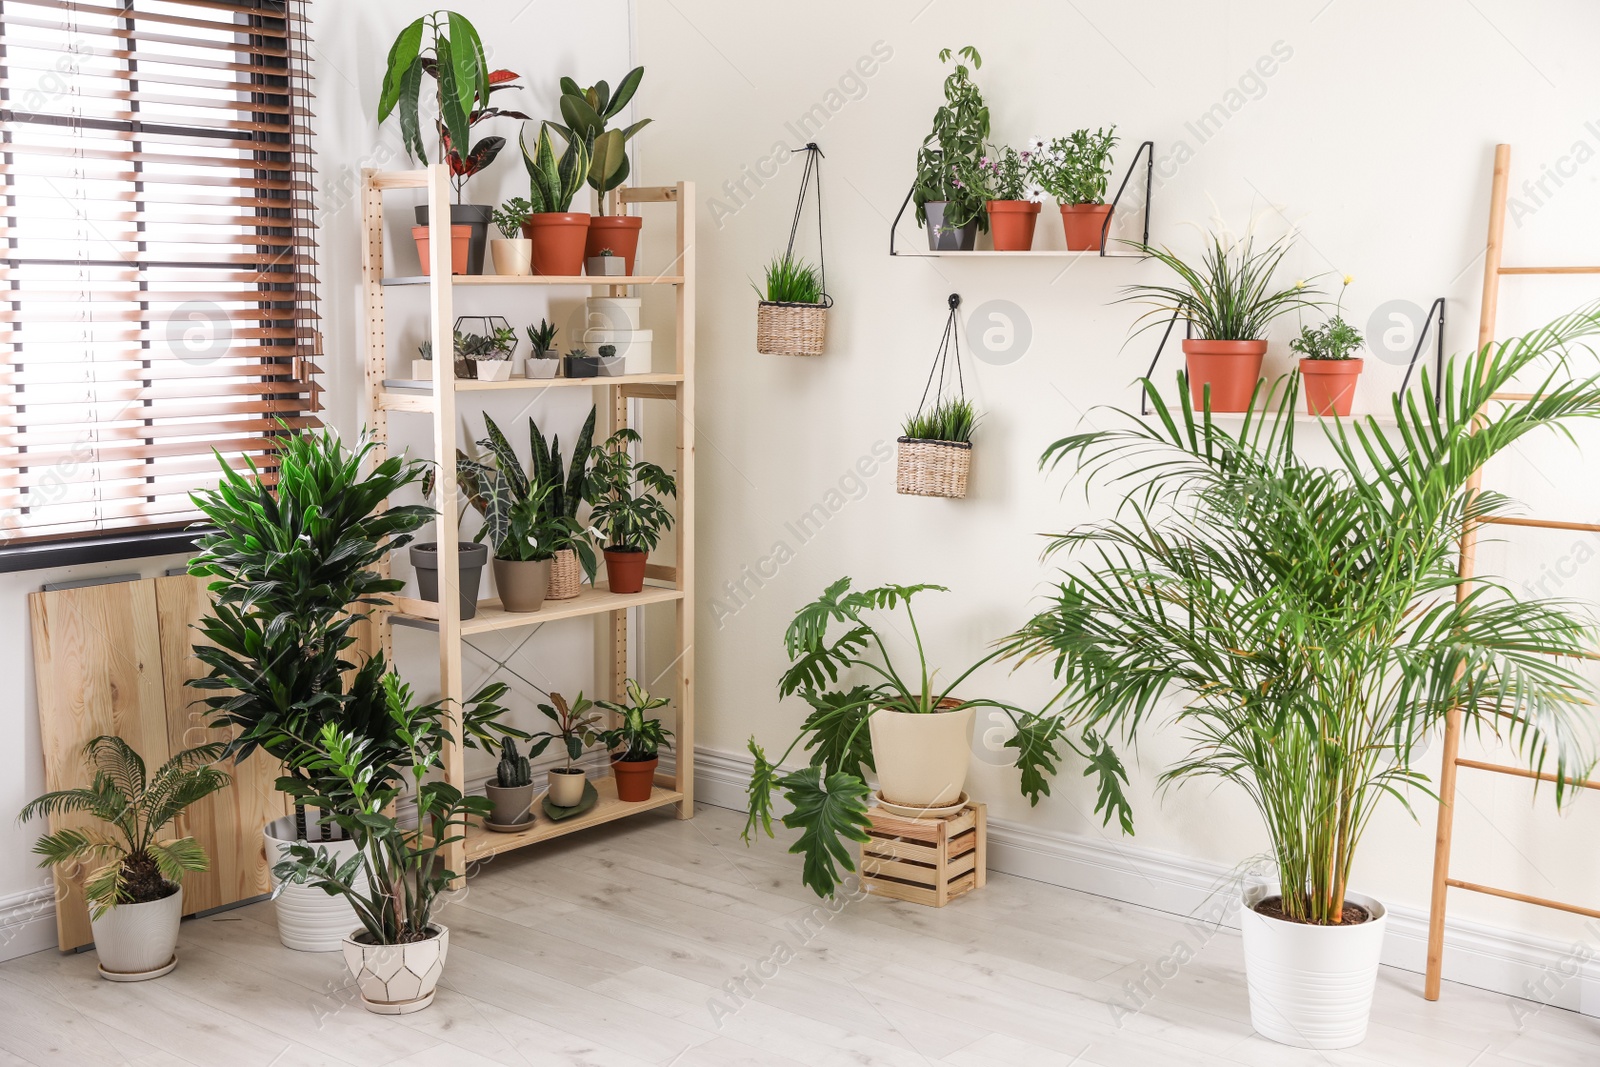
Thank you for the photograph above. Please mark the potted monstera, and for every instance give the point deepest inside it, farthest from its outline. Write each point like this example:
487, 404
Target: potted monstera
1305, 626
587, 111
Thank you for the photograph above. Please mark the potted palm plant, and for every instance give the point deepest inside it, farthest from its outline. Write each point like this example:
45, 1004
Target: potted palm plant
636, 742
575, 727
134, 880
792, 315
946, 203
513, 253
1076, 170
586, 112
1228, 302
541, 363
392, 883
1328, 370
934, 453
1006, 180
1311, 622
626, 511
558, 233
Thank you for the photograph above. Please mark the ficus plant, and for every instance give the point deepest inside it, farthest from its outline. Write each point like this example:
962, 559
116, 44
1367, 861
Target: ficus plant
587, 111
1305, 624
954, 146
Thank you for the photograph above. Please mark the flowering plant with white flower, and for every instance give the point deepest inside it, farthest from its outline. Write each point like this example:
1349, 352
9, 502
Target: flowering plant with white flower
1077, 168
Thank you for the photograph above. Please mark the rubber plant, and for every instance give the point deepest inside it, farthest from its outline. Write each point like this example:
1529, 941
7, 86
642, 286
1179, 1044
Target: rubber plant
828, 796
587, 111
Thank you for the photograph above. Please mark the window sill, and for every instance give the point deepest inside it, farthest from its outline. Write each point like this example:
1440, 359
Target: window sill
101, 549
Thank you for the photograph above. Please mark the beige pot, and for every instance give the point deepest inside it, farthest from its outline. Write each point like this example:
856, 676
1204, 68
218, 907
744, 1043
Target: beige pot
566, 786
922, 759
397, 979
136, 942
513, 256
522, 585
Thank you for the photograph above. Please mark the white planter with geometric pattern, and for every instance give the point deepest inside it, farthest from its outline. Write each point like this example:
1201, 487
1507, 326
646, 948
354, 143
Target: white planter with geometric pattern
397, 979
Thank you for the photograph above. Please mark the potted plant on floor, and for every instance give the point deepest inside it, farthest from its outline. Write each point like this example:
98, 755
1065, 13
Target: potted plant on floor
396, 875
542, 361
558, 232
1328, 371
133, 879
1227, 302
934, 454
446, 47
1005, 179
950, 207
513, 253
636, 742
792, 313
1076, 170
511, 793
575, 728
627, 512
1307, 625
586, 112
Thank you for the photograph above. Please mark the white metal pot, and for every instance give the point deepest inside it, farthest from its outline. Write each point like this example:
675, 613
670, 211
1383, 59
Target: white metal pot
921, 759
309, 920
636, 347
137, 942
397, 979
1311, 986
512, 255
613, 312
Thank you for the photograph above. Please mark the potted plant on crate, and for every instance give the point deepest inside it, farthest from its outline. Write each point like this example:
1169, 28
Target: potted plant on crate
511, 793
513, 253
541, 340
636, 742
133, 877
1307, 625
586, 112
1228, 302
446, 47
558, 232
1076, 170
949, 206
626, 511
934, 455
1328, 371
792, 315
575, 727
1005, 179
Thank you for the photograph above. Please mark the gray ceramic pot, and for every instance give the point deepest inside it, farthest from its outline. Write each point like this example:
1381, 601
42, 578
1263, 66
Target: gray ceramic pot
522, 585
511, 803
943, 237
470, 560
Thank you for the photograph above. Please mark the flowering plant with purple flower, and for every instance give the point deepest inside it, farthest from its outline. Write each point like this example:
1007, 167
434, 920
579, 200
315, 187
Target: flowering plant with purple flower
1004, 173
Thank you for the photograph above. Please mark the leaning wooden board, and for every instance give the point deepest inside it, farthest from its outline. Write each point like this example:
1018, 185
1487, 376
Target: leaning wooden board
113, 659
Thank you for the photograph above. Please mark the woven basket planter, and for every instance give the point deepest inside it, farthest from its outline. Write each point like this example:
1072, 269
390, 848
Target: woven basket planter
565, 576
790, 329
933, 468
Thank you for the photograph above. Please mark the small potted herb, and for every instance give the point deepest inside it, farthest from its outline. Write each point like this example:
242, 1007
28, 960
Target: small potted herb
626, 510
606, 264
541, 361
792, 316
1327, 369
636, 742
1012, 197
580, 364
935, 450
586, 112
575, 727
558, 232
511, 792
488, 356
422, 366
513, 253
1076, 170
946, 203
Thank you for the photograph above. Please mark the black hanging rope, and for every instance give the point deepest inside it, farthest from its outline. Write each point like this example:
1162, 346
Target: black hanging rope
950, 342
811, 174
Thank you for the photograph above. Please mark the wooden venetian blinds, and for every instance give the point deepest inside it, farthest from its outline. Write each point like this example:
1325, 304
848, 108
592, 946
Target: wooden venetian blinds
159, 272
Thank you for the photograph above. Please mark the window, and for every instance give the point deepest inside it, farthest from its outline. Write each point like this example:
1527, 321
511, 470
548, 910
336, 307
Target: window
157, 286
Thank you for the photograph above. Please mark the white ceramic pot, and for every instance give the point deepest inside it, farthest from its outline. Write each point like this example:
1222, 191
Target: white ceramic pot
635, 347
921, 759
309, 920
534, 367
397, 979
137, 942
1310, 986
566, 789
422, 370
513, 255
494, 370
613, 312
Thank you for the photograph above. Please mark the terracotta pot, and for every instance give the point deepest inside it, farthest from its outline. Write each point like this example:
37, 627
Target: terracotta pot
620, 233
511, 802
922, 759
1011, 224
1085, 225
460, 244
137, 942
566, 786
558, 240
475, 216
1230, 368
1330, 385
397, 979
635, 778
625, 569
522, 585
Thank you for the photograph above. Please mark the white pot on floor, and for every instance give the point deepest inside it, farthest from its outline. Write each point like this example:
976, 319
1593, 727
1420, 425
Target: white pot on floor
137, 942
397, 979
922, 759
1311, 986
309, 920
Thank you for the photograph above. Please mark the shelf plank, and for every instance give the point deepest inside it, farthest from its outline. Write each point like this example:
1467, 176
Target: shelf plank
482, 843
399, 398
591, 601
458, 280
983, 253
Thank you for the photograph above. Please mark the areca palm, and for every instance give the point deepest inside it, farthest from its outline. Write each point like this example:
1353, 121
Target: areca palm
1310, 618
129, 862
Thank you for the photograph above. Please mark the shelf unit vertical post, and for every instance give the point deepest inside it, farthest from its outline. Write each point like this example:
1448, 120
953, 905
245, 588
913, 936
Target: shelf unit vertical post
684, 608
374, 634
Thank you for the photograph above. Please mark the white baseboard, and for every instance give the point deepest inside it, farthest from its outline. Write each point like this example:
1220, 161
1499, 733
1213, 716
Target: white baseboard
27, 922
1502, 961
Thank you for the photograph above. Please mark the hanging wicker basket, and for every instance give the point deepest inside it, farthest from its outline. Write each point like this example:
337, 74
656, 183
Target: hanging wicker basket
933, 468
565, 576
790, 329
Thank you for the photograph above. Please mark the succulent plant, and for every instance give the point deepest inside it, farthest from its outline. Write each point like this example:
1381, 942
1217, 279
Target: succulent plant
514, 770
542, 337
554, 181
608, 351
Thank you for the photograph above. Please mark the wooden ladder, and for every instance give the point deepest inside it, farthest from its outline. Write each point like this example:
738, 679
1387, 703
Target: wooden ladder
1493, 271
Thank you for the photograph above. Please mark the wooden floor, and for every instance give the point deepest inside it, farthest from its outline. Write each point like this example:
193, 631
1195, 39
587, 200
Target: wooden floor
627, 945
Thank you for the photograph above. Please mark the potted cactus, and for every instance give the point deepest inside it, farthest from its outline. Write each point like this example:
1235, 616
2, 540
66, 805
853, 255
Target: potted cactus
574, 726
558, 232
511, 792
606, 263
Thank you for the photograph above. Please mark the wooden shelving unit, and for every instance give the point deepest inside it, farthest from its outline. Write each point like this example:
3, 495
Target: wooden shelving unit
440, 399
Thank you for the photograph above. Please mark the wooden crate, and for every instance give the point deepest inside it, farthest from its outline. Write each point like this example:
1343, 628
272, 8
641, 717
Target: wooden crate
926, 861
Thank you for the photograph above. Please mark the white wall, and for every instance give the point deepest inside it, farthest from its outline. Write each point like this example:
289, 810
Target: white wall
1370, 125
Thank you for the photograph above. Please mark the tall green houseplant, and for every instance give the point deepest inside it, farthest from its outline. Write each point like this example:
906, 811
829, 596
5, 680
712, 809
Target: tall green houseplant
954, 146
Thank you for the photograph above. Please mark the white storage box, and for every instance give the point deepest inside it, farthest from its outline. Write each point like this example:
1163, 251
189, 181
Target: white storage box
634, 346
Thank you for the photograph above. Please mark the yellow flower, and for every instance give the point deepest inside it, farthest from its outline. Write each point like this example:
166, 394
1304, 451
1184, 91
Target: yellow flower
1348, 278
1300, 283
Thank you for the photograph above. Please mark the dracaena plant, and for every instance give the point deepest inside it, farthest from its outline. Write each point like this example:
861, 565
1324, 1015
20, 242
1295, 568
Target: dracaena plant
553, 180
1234, 294
586, 112
954, 146
828, 796
638, 735
128, 860
1304, 624
623, 490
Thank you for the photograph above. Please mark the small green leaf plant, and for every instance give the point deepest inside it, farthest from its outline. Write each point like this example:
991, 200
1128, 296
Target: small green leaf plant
1075, 169
951, 419
638, 735
574, 726
553, 180
790, 281
509, 217
1335, 339
953, 147
127, 859
587, 111
627, 511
